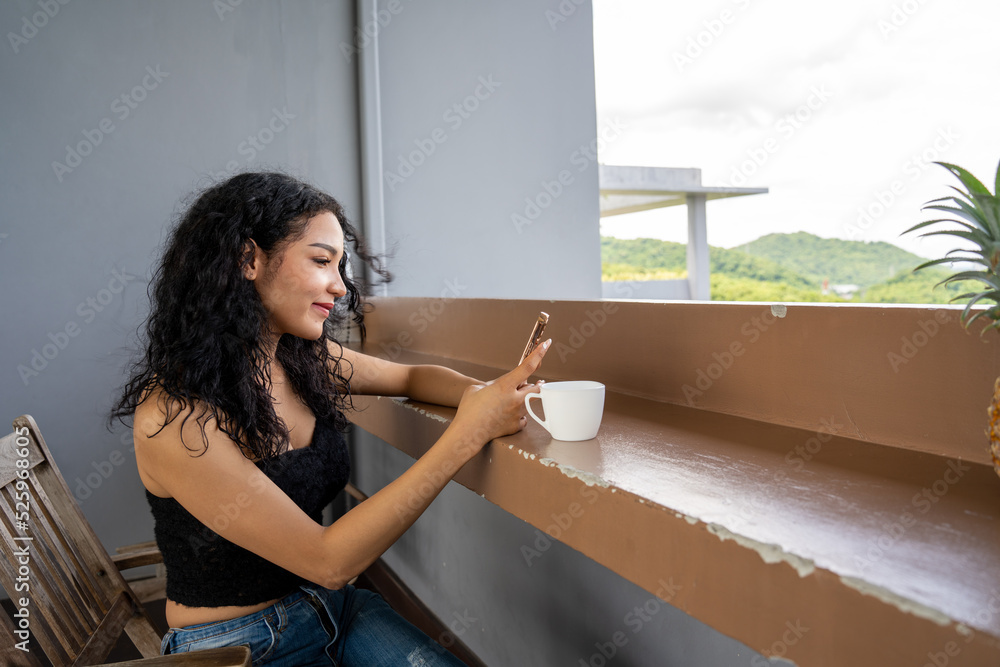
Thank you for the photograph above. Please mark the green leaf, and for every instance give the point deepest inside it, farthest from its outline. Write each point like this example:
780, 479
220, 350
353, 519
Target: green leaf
974, 294
974, 209
971, 183
979, 238
996, 186
989, 314
950, 260
966, 196
982, 276
934, 201
994, 295
931, 222
964, 211
990, 209
934, 262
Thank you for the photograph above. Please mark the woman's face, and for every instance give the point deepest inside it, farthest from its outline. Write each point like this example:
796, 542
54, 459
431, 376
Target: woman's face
299, 284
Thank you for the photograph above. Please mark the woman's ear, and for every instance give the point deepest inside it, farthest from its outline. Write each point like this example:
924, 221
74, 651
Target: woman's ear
251, 260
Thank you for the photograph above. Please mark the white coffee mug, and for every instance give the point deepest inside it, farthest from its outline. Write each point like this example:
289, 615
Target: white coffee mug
573, 410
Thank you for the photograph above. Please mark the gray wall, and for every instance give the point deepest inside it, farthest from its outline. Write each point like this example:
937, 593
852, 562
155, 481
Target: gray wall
484, 108
270, 73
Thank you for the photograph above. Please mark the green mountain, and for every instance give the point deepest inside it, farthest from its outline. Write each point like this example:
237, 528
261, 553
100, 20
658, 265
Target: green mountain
842, 262
786, 267
909, 287
649, 255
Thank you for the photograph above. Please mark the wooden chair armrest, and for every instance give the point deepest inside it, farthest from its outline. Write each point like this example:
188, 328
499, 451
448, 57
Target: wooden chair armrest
138, 546
137, 555
233, 656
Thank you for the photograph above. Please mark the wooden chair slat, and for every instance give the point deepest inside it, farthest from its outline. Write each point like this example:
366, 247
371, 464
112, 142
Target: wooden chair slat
75, 531
137, 559
57, 562
51, 608
105, 636
150, 588
10, 654
42, 615
140, 630
86, 589
138, 546
92, 562
51, 595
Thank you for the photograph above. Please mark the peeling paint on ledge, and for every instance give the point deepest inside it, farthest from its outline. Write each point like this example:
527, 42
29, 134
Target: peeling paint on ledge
407, 404
587, 478
779, 309
772, 553
769, 553
690, 519
897, 601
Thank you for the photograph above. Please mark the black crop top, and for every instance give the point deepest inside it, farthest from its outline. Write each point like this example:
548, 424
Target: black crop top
206, 570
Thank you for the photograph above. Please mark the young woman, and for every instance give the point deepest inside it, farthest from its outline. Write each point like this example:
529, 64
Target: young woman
237, 407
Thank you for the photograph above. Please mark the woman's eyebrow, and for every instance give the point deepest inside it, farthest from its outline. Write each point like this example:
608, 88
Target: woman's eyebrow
331, 249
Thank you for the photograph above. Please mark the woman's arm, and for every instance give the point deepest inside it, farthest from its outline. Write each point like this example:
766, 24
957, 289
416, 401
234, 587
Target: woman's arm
228, 493
380, 377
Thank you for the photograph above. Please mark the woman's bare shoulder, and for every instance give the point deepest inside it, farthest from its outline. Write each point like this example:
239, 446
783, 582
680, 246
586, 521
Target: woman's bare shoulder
161, 416
170, 435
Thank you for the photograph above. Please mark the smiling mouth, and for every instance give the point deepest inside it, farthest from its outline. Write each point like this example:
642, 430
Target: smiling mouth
325, 308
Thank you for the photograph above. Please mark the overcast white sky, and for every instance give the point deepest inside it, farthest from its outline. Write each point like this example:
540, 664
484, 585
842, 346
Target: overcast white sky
891, 84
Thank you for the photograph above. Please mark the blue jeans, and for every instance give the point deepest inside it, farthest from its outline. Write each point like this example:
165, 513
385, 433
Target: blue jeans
316, 626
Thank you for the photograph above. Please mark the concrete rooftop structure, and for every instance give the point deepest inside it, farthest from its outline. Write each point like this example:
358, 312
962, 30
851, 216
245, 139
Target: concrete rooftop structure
632, 189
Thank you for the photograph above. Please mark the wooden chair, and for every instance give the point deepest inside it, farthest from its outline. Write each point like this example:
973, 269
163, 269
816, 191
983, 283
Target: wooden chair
50, 557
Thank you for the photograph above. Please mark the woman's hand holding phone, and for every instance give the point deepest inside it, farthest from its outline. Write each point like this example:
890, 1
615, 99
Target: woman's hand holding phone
496, 408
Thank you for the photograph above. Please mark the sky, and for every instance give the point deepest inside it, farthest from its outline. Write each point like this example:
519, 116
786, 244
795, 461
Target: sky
838, 108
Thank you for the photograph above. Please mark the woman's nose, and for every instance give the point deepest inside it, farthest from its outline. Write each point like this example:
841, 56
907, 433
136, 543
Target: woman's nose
337, 287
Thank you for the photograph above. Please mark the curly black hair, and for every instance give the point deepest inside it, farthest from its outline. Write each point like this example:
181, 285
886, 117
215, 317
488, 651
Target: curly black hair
206, 340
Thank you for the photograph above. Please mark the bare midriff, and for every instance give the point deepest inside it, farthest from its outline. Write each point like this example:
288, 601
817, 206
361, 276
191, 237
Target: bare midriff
181, 616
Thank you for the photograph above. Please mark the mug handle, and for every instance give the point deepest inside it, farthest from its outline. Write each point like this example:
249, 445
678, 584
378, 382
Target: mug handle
527, 405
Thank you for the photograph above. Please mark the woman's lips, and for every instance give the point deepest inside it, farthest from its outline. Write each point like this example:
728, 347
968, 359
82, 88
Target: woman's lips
324, 308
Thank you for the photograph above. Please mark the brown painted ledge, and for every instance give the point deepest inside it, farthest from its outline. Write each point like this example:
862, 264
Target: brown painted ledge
813, 543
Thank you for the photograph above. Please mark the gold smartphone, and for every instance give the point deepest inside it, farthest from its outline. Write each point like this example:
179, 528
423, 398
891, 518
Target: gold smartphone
536, 335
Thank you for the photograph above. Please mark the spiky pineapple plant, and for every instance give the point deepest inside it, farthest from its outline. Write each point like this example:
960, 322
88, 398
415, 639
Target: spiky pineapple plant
976, 211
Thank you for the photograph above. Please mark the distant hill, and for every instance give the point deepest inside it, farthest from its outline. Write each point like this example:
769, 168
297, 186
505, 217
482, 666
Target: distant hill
842, 262
786, 267
653, 254
909, 287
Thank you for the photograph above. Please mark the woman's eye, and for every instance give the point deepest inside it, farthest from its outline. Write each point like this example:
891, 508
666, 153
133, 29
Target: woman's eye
322, 262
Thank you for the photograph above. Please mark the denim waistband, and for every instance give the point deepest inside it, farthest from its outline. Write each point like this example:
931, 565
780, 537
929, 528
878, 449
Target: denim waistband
313, 626
256, 626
